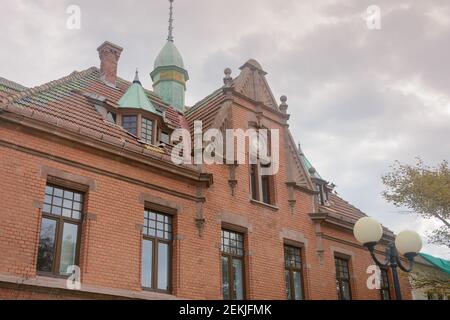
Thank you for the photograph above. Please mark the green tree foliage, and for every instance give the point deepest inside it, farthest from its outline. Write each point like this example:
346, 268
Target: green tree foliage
425, 191
430, 279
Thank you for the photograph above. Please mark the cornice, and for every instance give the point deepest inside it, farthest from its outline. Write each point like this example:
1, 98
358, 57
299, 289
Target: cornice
158, 162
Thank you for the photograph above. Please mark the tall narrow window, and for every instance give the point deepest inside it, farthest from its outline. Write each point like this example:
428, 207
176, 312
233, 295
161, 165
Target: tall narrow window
262, 188
60, 231
293, 273
129, 123
232, 265
254, 181
342, 279
147, 131
266, 189
384, 285
156, 251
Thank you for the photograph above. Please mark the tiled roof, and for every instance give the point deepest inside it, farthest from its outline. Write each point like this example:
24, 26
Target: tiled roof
8, 87
63, 103
342, 207
204, 111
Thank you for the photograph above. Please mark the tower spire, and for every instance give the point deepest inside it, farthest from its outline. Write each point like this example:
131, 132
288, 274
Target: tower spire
136, 77
170, 37
169, 74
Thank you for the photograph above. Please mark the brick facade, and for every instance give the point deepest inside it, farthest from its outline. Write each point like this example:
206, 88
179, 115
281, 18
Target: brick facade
118, 188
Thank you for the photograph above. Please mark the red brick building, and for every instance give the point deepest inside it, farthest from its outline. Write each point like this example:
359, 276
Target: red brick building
87, 180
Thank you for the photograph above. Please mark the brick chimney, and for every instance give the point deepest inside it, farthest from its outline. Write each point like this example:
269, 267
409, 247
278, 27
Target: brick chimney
109, 54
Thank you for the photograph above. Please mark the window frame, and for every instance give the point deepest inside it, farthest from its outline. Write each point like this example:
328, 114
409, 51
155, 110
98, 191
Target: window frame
155, 251
59, 230
291, 271
257, 185
340, 280
145, 120
122, 122
254, 185
164, 133
231, 257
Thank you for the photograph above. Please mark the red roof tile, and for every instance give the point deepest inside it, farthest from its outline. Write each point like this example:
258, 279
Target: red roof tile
63, 103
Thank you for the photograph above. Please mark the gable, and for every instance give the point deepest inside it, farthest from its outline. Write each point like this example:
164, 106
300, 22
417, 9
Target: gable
299, 172
252, 84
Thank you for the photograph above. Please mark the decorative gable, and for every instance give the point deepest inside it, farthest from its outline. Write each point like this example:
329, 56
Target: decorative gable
300, 173
252, 83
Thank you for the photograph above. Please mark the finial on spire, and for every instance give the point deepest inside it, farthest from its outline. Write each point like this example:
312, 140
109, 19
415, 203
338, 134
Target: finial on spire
300, 151
170, 37
136, 77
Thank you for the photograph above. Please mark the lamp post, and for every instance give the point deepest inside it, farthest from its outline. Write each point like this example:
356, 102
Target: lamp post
368, 232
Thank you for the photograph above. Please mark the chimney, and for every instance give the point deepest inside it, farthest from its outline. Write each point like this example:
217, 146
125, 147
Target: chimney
109, 54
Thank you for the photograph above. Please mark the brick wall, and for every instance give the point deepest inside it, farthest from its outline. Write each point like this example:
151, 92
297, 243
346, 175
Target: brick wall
111, 238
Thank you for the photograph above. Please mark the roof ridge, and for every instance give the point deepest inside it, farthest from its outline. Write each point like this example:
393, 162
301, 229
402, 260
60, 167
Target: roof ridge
12, 84
75, 75
200, 103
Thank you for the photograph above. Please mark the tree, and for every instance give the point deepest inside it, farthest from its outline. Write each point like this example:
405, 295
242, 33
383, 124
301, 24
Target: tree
430, 279
425, 191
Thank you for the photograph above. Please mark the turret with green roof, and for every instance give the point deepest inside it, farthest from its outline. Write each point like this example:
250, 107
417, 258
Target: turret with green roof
169, 75
136, 98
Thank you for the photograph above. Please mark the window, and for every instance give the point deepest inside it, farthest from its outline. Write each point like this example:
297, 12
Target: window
129, 123
254, 181
60, 231
323, 194
111, 117
156, 251
147, 130
267, 190
165, 138
261, 186
232, 265
384, 285
293, 273
342, 279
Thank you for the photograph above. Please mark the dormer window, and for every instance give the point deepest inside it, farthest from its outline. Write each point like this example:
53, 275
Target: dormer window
147, 130
105, 113
111, 117
322, 194
129, 123
138, 114
165, 138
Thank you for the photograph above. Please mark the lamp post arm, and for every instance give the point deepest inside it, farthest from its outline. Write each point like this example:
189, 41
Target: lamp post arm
374, 257
402, 267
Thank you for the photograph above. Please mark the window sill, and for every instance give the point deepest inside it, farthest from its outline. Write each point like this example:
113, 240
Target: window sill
264, 205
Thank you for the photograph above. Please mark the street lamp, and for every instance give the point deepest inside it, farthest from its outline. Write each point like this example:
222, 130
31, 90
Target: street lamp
368, 232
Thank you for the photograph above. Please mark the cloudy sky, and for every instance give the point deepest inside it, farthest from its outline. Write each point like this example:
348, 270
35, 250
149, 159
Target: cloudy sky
359, 98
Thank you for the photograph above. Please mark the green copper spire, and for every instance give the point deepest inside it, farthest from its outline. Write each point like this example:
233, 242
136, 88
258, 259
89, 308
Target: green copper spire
169, 75
135, 97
